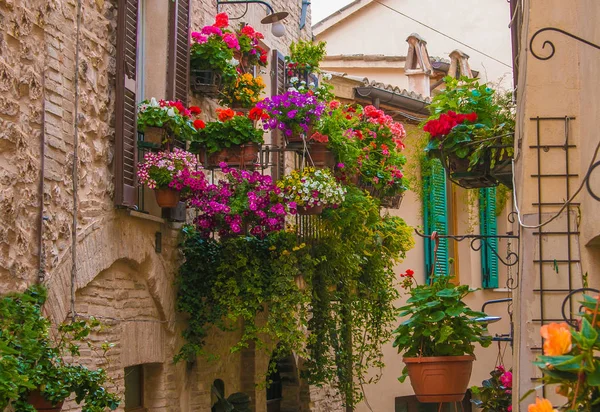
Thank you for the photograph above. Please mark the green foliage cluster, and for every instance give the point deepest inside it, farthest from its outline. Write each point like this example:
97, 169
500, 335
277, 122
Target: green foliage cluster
439, 323
30, 360
338, 323
495, 123
214, 54
219, 135
493, 396
305, 54
177, 125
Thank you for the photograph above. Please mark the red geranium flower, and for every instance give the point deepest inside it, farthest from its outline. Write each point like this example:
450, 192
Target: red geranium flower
199, 124
195, 110
248, 31
225, 114
222, 20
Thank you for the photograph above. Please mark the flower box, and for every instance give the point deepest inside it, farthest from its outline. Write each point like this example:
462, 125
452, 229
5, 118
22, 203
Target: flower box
482, 174
155, 135
205, 82
244, 156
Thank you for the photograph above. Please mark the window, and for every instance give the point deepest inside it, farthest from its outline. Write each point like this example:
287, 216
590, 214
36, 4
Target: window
134, 388
488, 225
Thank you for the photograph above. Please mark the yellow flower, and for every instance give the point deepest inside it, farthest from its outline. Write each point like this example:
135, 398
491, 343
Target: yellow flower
272, 248
541, 405
557, 339
285, 253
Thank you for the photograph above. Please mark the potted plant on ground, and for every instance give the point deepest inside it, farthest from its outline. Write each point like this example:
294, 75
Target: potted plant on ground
170, 175
311, 190
293, 113
438, 338
35, 373
241, 203
163, 120
495, 394
232, 139
471, 131
211, 57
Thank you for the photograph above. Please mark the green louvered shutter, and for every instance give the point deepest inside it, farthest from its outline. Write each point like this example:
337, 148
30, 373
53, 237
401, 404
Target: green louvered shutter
435, 217
487, 222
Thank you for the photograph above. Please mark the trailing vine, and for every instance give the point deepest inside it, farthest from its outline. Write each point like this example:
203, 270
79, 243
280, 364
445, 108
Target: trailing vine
338, 324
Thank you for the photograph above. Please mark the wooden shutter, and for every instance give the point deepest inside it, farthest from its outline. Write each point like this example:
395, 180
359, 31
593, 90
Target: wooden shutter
278, 87
435, 218
488, 225
179, 56
125, 104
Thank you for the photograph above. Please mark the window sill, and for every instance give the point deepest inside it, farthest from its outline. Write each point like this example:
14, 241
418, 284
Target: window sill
146, 216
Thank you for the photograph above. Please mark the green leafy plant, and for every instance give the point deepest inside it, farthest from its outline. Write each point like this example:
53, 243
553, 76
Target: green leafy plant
170, 115
468, 119
30, 360
230, 129
439, 323
495, 393
305, 56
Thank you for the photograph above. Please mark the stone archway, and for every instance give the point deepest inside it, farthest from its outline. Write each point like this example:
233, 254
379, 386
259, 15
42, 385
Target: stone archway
288, 392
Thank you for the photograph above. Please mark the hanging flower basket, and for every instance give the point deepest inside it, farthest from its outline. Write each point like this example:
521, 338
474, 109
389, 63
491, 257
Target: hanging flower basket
482, 174
205, 82
321, 155
388, 201
440, 378
167, 198
40, 403
155, 135
310, 210
235, 156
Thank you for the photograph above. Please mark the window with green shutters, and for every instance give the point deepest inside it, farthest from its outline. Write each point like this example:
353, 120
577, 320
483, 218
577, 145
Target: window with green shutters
488, 225
435, 218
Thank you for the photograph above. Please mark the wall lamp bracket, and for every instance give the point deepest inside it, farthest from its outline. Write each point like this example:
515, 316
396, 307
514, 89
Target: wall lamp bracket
274, 18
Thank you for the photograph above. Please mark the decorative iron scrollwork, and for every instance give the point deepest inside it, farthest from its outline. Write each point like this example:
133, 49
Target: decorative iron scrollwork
551, 45
569, 319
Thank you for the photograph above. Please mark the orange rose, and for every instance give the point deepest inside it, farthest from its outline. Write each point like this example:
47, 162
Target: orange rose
557, 339
541, 405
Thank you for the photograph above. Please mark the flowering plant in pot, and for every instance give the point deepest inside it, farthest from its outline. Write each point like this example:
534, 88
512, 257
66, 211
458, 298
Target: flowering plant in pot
304, 58
171, 174
292, 112
438, 338
232, 138
471, 130
249, 52
211, 56
570, 360
495, 394
242, 202
161, 119
311, 189
243, 93
38, 372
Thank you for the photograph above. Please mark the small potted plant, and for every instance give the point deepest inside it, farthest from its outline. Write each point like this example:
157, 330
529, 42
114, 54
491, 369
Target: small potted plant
293, 113
35, 373
160, 120
171, 174
471, 131
438, 338
304, 59
241, 203
211, 57
244, 93
495, 394
249, 53
311, 190
232, 139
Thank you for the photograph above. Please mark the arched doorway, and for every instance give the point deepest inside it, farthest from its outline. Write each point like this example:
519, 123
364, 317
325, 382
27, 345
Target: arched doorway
284, 392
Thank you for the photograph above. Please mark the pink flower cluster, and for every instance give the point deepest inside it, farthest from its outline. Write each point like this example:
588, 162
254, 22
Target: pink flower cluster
386, 124
241, 201
177, 170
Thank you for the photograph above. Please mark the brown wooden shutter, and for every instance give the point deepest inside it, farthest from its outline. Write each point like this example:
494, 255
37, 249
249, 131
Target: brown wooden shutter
125, 104
278, 87
179, 56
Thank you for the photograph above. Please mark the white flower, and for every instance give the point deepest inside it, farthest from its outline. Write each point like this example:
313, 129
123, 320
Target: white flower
327, 76
153, 102
234, 61
293, 79
292, 89
171, 112
311, 84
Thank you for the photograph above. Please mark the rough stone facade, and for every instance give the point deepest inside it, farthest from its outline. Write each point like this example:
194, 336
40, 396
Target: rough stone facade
52, 113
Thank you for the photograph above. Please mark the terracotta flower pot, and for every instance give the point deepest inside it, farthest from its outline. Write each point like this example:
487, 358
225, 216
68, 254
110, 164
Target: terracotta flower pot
244, 155
155, 135
440, 378
40, 403
321, 156
312, 210
167, 198
296, 139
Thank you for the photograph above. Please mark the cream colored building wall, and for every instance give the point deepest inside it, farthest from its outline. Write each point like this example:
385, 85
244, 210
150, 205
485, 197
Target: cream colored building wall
378, 30
564, 85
